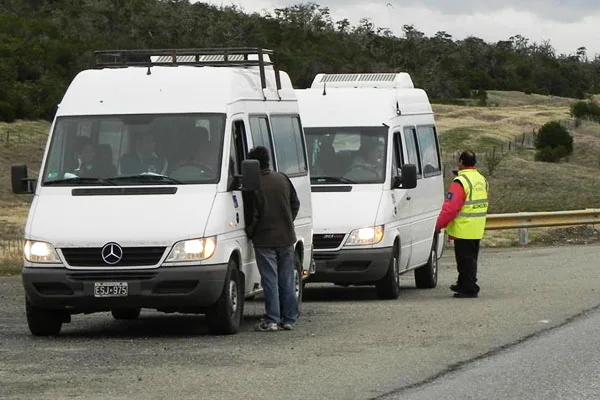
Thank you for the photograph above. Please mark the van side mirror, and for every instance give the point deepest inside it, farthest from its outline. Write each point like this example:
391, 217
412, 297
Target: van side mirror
19, 181
408, 179
250, 174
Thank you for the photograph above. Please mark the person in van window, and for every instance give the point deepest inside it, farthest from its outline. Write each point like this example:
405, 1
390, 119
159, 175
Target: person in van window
274, 210
86, 157
463, 215
143, 158
367, 165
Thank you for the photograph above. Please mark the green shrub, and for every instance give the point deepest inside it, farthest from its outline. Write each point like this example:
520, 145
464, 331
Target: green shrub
553, 142
481, 96
7, 112
586, 110
549, 154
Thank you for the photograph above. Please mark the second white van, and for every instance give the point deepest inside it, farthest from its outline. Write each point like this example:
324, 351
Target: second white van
377, 182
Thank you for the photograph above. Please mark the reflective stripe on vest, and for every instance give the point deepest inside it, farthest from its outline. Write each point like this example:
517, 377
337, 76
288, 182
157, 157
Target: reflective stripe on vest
470, 222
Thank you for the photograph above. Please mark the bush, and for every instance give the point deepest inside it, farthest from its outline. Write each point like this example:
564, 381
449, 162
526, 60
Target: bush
7, 112
553, 142
481, 96
586, 110
579, 109
549, 154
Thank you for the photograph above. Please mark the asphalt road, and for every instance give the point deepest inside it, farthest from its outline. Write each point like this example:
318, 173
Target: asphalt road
347, 345
563, 364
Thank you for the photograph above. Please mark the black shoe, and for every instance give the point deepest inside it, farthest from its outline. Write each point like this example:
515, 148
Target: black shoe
463, 295
455, 288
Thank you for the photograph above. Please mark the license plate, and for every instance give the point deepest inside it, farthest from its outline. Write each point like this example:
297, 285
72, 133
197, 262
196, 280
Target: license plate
110, 289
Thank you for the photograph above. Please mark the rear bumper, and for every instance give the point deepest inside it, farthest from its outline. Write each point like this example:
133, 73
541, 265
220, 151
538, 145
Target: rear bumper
351, 266
167, 288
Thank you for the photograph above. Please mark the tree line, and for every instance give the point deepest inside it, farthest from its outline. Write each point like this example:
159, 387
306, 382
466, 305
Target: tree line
44, 43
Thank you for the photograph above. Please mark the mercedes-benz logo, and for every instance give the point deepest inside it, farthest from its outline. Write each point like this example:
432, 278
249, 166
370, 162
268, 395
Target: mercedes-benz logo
112, 253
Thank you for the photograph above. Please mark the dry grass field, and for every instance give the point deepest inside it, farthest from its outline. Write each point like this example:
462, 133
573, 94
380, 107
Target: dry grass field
518, 183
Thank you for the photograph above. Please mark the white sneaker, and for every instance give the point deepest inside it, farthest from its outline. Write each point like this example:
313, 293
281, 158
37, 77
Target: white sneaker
266, 327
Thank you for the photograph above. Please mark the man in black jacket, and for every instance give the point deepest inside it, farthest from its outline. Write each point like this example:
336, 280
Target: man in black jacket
272, 232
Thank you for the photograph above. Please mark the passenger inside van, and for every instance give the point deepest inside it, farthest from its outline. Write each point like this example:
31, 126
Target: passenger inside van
142, 158
326, 162
367, 162
86, 158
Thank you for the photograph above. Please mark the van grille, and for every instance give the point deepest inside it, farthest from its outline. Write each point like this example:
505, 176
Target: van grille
111, 275
132, 257
328, 241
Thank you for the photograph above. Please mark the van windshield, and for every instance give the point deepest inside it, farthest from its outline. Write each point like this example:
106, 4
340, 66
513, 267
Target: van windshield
347, 155
135, 150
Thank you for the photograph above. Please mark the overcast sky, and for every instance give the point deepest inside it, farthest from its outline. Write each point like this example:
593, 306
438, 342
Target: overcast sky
568, 24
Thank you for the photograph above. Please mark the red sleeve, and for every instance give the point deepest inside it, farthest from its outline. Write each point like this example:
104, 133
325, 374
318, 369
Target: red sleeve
455, 199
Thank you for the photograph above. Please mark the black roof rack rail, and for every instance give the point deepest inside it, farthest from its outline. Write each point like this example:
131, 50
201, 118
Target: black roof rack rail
214, 57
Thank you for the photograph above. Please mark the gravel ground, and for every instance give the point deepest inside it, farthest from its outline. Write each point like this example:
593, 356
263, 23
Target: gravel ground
347, 344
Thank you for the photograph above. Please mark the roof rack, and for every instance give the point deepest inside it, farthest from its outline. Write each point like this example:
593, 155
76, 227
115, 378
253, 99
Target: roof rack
214, 57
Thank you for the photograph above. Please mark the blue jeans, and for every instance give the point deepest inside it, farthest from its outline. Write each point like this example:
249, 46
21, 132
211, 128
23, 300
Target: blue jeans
276, 266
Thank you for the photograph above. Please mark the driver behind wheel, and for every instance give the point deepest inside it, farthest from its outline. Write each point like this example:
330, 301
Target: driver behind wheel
199, 160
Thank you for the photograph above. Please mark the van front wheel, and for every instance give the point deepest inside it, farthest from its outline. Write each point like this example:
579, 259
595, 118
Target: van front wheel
389, 286
225, 316
126, 313
426, 277
43, 322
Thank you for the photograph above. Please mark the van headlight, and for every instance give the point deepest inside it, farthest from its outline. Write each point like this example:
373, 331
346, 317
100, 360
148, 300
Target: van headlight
193, 250
40, 253
365, 236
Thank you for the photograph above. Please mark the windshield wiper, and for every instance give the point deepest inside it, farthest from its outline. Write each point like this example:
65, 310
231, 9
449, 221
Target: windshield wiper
330, 179
79, 180
146, 178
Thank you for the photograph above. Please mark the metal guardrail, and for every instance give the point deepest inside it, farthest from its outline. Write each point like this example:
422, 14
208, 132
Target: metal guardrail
542, 219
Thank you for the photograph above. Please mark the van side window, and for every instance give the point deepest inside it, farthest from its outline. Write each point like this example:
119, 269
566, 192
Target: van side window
239, 147
410, 138
289, 145
428, 147
397, 159
261, 136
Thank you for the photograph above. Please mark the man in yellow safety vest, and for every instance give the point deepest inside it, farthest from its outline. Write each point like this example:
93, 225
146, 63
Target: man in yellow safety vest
463, 215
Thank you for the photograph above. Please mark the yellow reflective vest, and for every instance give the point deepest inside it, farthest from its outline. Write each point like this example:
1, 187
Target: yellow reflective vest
470, 222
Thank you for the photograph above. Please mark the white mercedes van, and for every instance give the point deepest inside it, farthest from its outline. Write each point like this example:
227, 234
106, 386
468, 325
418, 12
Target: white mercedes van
139, 202
377, 183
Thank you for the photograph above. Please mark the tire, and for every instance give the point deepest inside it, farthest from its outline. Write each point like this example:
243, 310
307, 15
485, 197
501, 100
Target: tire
43, 322
426, 277
298, 281
126, 313
389, 286
225, 316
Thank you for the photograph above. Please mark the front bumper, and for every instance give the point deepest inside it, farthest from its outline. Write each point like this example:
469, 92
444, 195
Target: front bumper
189, 288
352, 266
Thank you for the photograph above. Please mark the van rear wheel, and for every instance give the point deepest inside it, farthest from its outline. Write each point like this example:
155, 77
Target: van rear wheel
43, 322
225, 316
426, 277
389, 286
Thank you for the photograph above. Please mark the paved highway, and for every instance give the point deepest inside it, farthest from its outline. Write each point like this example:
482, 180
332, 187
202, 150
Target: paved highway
563, 364
347, 345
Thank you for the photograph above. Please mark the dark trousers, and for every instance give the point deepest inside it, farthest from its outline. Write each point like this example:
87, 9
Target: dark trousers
466, 252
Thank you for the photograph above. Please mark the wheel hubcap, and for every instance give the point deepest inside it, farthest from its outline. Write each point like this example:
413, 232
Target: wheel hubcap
233, 297
434, 262
396, 271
